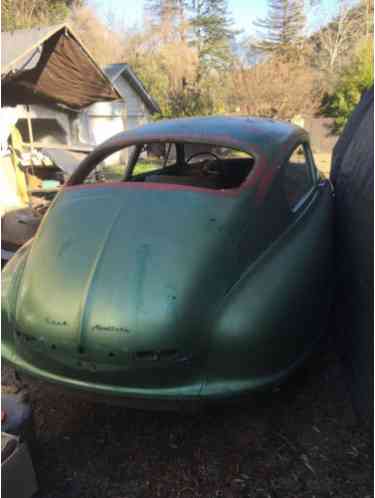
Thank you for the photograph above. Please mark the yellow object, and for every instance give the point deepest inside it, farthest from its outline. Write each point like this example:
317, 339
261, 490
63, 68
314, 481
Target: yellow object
9, 196
16, 141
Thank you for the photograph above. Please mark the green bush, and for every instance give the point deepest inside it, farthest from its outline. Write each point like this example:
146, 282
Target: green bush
355, 79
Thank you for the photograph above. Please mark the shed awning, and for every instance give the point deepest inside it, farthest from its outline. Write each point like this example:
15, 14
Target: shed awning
51, 64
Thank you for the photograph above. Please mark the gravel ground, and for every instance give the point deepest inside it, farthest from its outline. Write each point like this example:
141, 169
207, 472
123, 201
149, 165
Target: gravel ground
299, 441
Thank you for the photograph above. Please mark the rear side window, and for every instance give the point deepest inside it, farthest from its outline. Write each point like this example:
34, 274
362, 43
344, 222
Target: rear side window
298, 179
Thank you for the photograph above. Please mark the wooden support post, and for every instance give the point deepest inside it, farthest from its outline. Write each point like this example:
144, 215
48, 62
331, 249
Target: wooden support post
31, 138
126, 127
30, 129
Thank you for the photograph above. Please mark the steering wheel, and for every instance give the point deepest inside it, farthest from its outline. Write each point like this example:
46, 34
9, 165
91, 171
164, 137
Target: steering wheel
218, 170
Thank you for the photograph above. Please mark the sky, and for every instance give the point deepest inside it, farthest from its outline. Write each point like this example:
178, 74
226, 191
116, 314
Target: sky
244, 12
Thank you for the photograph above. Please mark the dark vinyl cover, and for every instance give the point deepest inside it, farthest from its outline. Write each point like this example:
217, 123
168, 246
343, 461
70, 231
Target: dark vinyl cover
64, 74
353, 178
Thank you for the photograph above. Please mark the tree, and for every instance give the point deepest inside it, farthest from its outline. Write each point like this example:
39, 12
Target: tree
181, 53
105, 45
274, 88
213, 35
283, 27
161, 9
333, 43
166, 63
165, 14
19, 14
358, 77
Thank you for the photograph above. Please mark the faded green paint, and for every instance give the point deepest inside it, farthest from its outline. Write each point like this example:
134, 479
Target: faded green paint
169, 294
264, 139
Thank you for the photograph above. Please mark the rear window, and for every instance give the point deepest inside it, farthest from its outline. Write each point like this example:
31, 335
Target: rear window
198, 165
197, 152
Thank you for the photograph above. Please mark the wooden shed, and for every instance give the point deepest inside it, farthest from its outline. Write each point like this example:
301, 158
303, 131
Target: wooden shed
48, 78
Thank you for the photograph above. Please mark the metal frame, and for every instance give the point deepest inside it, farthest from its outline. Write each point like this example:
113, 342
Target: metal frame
312, 174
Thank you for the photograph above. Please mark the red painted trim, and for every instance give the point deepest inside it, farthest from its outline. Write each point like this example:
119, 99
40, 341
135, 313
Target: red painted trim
261, 176
264, 183
155, 186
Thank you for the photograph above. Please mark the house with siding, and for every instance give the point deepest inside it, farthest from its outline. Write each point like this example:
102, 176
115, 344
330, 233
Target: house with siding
134, 109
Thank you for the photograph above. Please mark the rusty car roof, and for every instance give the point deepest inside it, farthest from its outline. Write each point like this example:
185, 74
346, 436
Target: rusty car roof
260, 137
231, 131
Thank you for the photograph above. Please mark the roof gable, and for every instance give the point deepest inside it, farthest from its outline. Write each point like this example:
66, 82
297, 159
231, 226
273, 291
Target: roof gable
123, 70
21, 49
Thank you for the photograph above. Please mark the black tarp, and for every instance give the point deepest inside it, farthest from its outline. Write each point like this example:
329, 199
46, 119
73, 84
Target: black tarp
353, 177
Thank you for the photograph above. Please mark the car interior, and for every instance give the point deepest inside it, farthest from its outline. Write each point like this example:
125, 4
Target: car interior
197, 165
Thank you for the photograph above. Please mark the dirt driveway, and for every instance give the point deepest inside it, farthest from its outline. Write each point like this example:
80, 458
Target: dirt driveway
301, 441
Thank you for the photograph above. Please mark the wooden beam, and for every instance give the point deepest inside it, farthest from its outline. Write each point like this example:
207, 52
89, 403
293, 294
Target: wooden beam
74, 148
30, 128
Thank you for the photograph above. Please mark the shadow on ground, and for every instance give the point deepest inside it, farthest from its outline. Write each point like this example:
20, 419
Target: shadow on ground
301, 441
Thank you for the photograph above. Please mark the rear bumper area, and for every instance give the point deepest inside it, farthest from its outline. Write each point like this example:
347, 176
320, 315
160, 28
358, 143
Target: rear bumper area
180, 396
118, 394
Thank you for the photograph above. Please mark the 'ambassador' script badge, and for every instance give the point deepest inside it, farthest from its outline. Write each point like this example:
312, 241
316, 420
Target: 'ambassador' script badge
111, 328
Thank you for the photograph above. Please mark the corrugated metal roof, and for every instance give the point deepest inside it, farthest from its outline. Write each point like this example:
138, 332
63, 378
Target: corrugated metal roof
21, 50
113, 71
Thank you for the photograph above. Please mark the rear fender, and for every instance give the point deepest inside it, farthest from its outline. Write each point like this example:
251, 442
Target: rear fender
277, 310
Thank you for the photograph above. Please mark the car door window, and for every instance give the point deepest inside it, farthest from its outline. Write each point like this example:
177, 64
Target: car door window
298, 177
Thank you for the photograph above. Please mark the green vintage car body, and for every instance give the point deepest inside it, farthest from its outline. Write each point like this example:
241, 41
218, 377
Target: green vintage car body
165, 291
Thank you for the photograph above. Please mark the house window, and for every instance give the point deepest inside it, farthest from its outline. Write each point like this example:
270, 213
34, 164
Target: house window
298, 178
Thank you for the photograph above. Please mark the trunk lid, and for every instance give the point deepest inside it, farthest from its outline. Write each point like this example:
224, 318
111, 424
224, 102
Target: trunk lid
119, 278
